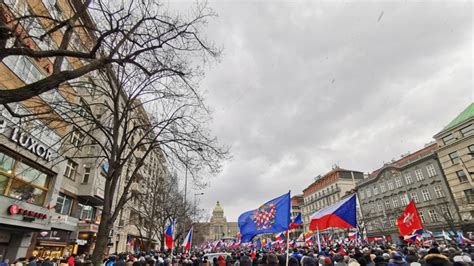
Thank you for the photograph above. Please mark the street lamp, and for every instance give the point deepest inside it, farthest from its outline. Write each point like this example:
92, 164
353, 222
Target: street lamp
186, 173
195, 206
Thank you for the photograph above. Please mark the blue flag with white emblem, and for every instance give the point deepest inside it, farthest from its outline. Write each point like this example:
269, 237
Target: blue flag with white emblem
271, 217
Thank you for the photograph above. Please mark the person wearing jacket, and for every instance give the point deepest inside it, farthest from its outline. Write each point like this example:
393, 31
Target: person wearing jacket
435, 258
397, 260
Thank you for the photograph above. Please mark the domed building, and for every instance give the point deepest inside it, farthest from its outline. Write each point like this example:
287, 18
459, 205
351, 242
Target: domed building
217, 228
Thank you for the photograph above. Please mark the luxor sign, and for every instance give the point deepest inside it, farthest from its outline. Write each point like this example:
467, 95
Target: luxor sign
31, 144
16, 210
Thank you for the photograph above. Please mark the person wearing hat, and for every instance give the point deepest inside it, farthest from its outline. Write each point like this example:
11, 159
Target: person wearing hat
435, 258
397, 260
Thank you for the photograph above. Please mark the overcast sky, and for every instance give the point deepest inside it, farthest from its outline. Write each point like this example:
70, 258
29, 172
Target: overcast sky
302, 86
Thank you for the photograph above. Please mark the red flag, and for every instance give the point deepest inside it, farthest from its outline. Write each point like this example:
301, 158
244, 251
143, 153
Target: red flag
409, 221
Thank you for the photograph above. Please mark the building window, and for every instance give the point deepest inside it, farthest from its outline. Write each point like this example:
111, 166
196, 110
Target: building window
63, 204
369, 194
408, 178
446, 213
390, 185
448, 139
71, 168
404, 199
426, 195
462, 176
433, 216
362, 194
469, 193
398, 181
87, 174
414, 196
466, 131
419, 175
382, 187
85, 212
395, 202
431, 170
24, 68
471, 149
380, 206
376, 190
76, 137
387, 204
422, 216
21, 181
454, 157
439, 192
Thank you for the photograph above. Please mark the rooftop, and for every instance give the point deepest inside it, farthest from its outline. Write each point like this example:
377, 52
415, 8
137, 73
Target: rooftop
465, 115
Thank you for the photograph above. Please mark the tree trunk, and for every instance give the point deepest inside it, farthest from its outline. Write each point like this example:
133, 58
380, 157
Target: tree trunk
102, 239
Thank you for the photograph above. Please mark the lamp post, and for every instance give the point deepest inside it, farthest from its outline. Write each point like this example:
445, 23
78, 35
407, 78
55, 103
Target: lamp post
186, 173
195, 206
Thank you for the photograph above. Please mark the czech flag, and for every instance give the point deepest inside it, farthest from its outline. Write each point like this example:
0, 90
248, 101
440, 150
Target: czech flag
297, 221
339, 215
169, 241
280, 236
188, 240
309, 240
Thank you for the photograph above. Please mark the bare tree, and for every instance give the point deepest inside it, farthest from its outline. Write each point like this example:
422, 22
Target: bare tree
157, 205
85, 36
128, 116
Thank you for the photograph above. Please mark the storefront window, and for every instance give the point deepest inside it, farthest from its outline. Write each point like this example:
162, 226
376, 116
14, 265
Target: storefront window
6, 163
31, 175
21, 181
3, 184
26, 192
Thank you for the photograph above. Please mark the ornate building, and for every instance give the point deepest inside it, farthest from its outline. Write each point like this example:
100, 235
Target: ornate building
216, 229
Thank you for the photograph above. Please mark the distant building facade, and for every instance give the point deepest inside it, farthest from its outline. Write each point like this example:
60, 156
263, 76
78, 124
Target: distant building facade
327, 190
455, 153
418, 176
216, 229
296, 207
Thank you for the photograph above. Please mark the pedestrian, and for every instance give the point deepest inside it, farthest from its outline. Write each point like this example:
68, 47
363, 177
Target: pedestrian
397, 260
435, 258
272, 259
71, 260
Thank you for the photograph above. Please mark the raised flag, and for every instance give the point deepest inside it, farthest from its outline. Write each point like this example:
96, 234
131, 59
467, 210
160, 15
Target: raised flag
464, 240
340, 215
280, 236
409, 221
309, 240
188, 240
300, 238
169, 241
446, 235
352, 235
296, 222
271, 217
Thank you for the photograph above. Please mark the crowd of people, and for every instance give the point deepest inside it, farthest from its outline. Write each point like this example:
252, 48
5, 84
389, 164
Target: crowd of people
336, 255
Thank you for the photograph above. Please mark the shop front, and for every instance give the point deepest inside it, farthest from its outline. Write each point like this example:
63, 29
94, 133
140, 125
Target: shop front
86, 238
27, 182
51, 244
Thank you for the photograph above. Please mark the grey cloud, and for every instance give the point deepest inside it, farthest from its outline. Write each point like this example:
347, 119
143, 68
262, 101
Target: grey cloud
304, 85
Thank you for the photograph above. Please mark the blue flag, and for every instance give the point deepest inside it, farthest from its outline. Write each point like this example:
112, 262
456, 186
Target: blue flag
271, 217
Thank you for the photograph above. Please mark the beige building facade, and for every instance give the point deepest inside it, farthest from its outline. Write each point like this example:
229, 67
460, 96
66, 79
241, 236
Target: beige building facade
455, 153
218, 228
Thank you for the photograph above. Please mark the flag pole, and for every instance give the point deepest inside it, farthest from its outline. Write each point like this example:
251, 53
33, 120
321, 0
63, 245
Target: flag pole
288, 236
319, 240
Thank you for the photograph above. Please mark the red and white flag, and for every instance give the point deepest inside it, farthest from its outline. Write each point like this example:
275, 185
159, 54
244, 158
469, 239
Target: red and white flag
410, 220
188, 240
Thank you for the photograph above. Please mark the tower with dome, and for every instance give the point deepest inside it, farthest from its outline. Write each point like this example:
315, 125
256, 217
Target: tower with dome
218, 228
